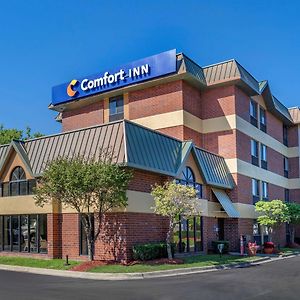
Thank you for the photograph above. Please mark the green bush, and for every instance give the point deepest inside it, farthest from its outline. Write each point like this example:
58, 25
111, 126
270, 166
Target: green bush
216, 243
150, 251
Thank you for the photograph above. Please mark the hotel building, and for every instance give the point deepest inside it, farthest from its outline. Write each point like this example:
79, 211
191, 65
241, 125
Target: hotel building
165, 117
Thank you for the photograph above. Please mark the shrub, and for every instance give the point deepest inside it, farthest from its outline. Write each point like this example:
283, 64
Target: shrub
151, 251
216, 243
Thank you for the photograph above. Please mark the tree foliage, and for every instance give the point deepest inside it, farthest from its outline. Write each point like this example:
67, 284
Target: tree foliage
294, 219
7, 135
173, 200
91, 187
272, 214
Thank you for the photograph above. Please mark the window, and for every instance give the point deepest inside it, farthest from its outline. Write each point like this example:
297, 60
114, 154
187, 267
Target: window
188, 235
287, 195
24, 233
265, 192
188, 178
255, 190
254, 152
285, 135
263, 156
253, 112
18, 184
262, 120
116, 108
257, 232
286, 167
82, 236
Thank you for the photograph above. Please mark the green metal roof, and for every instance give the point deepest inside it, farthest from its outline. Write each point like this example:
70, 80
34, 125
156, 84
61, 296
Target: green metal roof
214, 169
131, 144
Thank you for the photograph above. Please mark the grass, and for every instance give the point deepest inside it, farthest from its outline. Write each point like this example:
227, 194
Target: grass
57, 264
289, 251
189, 262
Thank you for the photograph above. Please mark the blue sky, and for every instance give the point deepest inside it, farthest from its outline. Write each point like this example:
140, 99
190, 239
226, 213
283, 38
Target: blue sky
45, 43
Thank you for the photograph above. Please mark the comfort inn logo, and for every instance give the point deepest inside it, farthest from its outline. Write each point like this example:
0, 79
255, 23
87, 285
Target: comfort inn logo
70, 87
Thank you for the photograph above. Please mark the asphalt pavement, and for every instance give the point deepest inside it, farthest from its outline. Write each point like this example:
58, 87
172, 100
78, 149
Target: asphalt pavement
274, 280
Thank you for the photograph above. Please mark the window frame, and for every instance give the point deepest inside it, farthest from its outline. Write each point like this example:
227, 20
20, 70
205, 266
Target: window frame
255, 196
262, 121
265, 190
10, 234
254, 148
117, 115
263, 156
253, 112
286, 167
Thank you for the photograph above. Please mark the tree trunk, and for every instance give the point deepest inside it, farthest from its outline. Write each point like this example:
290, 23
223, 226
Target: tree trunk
169, 239
262, 241
292, 235
270, 234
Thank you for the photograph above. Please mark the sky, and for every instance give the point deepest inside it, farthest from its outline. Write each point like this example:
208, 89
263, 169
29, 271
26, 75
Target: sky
46, 43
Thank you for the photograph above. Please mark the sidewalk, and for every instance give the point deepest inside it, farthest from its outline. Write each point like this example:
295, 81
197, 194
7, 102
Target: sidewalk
135, 276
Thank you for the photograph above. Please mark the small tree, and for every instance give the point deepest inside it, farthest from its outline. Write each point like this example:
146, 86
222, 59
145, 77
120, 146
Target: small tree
173, 200
272, 214
91, 187
294, 219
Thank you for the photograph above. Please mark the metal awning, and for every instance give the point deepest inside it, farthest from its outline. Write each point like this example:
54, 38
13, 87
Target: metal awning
226, 203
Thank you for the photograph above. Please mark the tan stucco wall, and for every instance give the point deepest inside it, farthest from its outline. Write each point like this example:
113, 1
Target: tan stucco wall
21, 205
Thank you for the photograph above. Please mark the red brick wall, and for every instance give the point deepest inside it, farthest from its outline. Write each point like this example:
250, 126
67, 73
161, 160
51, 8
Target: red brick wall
293, 167
86, 116
54, 235
242, 193
275, 161
124, 230
208, 232
143, 181
183, 133
218, 102
156, 100
70, 235
276, 192
242, 104
223, 143
192, 101
293, 136
274, 127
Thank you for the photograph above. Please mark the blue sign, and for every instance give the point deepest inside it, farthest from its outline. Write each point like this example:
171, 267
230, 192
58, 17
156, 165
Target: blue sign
134, 72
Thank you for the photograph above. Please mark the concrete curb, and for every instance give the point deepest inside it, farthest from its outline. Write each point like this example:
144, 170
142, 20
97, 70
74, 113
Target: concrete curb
135, 276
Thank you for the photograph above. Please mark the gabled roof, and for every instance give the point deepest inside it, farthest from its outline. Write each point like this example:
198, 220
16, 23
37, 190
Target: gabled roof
18, 147
131, 144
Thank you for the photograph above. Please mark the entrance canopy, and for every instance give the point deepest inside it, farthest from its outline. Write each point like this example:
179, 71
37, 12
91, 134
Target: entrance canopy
226, 203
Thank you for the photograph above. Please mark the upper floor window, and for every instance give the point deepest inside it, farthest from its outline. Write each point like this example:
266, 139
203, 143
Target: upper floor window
287, 195
262, 120
253, 112
265, 190
286, 167
263, 156
188, 178
18, 184
285, 135
116, 108
255, 190
254, 152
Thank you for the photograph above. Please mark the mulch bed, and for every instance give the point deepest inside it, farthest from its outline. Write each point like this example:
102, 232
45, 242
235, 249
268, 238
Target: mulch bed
88, 265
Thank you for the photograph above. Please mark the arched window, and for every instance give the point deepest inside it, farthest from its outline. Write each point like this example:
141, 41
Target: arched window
188, 175
18, 184
188, 178
17, 174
